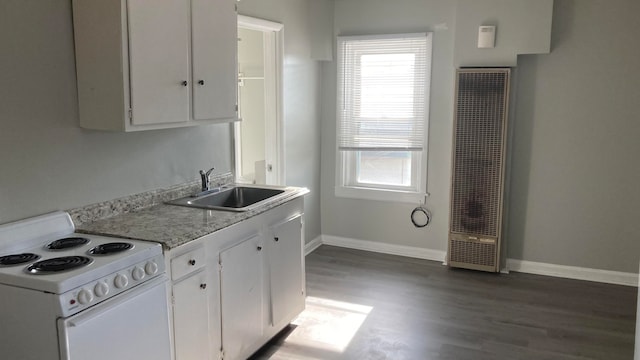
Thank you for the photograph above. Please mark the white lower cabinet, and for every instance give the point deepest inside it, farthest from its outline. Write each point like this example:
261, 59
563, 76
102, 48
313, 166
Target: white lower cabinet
190, 317
192, 294
236, 288
262, 287
286, 272
241, 290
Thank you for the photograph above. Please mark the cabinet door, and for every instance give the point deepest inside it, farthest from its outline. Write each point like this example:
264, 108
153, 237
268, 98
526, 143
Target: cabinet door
191, 318
159, 60
241, 274
215, 44
286, 275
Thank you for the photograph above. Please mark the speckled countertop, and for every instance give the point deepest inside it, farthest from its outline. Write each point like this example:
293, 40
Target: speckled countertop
172, 225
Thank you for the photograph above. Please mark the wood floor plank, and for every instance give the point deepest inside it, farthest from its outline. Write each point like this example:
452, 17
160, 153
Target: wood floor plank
371, 306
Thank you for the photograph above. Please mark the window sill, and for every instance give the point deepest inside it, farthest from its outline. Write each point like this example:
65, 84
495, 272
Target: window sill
379, 194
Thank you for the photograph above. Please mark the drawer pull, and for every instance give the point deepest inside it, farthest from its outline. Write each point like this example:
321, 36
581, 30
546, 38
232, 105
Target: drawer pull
192, 262
276, 239
203, 286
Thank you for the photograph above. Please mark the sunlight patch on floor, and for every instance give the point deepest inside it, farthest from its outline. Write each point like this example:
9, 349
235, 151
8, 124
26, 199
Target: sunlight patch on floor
328, 324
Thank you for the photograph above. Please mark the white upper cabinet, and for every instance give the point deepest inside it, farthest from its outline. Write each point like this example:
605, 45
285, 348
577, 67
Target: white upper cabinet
154, 64
215, 54
159, 61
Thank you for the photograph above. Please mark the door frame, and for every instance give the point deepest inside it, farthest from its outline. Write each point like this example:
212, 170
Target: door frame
273, 83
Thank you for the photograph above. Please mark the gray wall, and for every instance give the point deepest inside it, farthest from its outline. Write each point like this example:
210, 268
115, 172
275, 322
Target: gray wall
576, 178
47, 162
574, 173
522, 27
388, 222
574, 190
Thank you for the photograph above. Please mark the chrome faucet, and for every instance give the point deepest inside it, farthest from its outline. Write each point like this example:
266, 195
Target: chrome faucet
205, 179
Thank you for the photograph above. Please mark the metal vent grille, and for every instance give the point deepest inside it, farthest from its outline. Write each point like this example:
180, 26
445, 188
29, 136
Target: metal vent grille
478, 157
474, 253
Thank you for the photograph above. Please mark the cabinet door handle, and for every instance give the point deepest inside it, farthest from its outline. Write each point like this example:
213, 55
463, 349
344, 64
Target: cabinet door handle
203, 286
276, 239
200, 82
192, 262
185, 83
259, 248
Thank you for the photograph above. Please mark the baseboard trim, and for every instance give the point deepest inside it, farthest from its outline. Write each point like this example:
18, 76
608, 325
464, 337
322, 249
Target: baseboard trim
573, 272
384, 248
312, 245
530, 267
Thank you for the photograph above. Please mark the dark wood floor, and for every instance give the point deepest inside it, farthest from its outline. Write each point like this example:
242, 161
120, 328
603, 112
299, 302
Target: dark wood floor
416, 309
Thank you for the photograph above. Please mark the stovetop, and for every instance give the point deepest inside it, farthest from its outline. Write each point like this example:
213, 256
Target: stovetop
44, 253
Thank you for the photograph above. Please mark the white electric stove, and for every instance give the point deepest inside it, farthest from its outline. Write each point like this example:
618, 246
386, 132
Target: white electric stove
64, 295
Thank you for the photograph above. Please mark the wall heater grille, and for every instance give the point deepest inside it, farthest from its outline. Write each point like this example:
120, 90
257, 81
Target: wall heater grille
478, 168
471, 252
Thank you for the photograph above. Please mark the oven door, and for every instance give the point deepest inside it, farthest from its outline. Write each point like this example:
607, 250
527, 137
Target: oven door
132, 325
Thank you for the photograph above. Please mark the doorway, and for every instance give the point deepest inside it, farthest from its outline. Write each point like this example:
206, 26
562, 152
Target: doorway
258, 136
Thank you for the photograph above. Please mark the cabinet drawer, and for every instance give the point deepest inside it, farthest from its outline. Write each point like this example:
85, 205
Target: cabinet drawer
187, 263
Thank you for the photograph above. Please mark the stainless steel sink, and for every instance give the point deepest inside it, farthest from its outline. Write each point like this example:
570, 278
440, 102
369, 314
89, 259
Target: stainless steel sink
236, 198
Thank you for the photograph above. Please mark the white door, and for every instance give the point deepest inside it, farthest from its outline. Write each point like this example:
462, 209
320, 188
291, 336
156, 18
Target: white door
159, 60
133, 325
259, 150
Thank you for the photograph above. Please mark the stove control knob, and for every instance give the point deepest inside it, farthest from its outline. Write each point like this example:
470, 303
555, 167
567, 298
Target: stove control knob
151, 268
137, 273
120, 281
85, 296
101, 289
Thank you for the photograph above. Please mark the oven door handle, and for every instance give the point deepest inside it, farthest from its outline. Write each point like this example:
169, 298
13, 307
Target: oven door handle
99, 309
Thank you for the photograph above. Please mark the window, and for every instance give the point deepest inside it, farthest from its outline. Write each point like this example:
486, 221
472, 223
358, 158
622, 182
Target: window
383, 106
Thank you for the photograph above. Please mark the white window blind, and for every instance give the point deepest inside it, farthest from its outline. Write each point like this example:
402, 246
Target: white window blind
383, 92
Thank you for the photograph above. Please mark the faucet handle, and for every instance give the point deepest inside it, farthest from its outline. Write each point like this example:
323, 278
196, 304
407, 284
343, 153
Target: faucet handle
205, 179
203, 173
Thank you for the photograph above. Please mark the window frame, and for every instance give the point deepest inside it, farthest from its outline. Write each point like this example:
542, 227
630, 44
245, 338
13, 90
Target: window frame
347, 184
